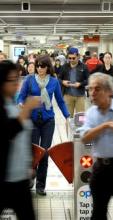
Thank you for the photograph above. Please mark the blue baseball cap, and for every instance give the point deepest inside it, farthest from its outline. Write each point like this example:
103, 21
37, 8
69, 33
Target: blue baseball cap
73, 50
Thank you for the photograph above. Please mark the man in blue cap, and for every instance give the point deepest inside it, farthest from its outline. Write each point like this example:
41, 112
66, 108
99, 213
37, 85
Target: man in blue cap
74, 76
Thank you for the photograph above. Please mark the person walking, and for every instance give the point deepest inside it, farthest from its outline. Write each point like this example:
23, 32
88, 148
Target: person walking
45, 85
15, 146
98, 129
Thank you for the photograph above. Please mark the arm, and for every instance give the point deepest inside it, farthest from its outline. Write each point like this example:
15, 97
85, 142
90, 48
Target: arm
60, 100
63, 76
93, 133
24, 92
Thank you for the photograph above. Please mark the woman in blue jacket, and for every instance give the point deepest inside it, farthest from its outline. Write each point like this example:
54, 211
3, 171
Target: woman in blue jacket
45, 85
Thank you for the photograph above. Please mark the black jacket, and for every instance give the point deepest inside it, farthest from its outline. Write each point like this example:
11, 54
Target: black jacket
102, 69
8, 130
81, 76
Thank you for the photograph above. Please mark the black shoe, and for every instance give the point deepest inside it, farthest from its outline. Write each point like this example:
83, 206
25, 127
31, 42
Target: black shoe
41, 191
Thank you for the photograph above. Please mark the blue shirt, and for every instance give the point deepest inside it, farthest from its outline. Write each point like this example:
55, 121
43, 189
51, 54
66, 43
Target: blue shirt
72, 90
31, 87
103, 144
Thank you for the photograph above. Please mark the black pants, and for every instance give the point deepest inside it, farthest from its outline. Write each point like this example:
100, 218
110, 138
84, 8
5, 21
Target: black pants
17, 196
42, 135
101, 185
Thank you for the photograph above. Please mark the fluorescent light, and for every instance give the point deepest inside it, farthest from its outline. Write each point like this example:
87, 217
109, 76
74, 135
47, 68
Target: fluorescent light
29, 12
28, 16
56, 16
87, 16
56, 11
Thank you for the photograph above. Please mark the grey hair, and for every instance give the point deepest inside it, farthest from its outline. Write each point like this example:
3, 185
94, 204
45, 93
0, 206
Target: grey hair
105, 80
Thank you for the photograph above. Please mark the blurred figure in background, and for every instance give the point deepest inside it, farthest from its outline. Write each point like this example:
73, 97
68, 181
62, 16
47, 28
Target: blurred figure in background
21, 61
93, 62
31, 58
57, 67
101, 56
86, 56
15, 142
31, 68
107, 66
62, 59
45, 85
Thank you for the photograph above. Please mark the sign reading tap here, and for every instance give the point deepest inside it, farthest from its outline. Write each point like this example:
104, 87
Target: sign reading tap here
84, 203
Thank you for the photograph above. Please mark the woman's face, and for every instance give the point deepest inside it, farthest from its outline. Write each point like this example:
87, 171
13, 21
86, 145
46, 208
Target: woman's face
107, 59
42, 69
31, 68
11, 85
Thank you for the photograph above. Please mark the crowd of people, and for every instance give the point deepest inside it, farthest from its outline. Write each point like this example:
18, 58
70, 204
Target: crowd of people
27, 116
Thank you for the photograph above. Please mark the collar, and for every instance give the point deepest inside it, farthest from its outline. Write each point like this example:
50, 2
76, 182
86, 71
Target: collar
111, 106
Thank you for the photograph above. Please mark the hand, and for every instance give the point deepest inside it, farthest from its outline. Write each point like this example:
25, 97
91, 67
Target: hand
76, 84
108, 124
33, 102
66, 83
20, 105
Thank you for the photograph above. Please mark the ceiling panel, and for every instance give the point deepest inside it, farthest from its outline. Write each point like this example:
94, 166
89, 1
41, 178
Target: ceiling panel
53, 1
56, 17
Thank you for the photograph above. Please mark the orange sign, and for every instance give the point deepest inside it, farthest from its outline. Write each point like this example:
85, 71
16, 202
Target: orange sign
61, 46
92, 38
86, 161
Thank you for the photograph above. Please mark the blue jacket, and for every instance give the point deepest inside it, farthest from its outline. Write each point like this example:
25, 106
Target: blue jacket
30, 88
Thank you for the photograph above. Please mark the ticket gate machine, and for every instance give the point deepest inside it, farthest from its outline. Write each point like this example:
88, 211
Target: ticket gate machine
83, 161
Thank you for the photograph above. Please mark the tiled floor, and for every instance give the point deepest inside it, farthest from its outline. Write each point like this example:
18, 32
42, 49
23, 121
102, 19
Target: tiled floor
55, 206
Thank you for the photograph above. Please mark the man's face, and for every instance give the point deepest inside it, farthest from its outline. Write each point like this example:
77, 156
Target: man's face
99, 96
73, 59
2, 57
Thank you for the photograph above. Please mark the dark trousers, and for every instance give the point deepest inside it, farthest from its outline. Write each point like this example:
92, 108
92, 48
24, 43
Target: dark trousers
42, 135
101, 185
17, 196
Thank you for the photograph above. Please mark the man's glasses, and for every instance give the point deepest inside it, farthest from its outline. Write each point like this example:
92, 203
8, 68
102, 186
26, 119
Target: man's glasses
71, 58
41, 65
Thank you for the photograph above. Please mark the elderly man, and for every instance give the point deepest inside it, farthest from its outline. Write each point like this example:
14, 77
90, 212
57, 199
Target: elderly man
73, 76
98, 129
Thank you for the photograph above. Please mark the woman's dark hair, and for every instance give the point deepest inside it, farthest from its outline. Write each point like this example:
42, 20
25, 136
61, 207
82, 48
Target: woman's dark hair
6, 66
45, 59
108, 53
30, 63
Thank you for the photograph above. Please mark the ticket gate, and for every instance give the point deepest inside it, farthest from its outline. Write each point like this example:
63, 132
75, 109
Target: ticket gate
82, 200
